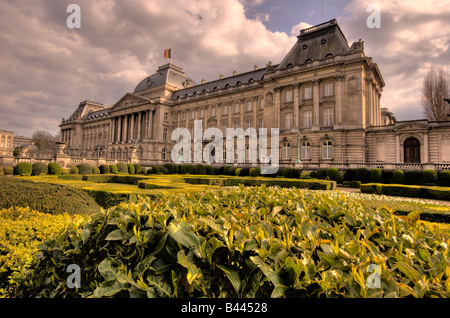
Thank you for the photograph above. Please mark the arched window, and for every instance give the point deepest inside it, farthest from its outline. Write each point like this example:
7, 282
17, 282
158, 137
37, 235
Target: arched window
327, 149
286, 151
306, 150
113, 154
119, 154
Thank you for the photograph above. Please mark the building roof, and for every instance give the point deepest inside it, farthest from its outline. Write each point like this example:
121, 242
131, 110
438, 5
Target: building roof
166, 74
223, 83
317, 43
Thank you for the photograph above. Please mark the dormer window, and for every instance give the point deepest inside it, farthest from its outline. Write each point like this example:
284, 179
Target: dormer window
308, 61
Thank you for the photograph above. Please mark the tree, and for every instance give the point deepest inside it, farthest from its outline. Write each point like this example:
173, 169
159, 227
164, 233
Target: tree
436, 88
44, 140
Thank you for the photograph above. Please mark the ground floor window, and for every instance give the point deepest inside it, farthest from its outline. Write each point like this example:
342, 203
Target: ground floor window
306, 150
327, 149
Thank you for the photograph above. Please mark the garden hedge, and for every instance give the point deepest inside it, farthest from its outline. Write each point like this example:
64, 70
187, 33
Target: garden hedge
39, 168
413, 191
23, 169
255, 242
54, 169
45, 197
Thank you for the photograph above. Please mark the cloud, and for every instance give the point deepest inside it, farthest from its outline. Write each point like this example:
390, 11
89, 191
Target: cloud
295, 31
47, 69
413, 36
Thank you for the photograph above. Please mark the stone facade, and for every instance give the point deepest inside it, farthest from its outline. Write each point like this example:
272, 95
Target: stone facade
6, 143
324, 97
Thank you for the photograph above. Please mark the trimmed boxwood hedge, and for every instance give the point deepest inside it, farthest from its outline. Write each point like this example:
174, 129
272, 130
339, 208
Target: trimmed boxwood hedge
23, 169
45, 197
414, 191
54, 169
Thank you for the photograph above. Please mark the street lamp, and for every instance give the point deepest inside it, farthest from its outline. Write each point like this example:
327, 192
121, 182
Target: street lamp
298, 148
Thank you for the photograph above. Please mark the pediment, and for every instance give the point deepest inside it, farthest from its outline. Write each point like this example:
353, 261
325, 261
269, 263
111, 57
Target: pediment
408, 126
129, 100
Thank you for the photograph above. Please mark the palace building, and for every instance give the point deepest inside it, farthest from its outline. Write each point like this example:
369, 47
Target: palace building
324, 97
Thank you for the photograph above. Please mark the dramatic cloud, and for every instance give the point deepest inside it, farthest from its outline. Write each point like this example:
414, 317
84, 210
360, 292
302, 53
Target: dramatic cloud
414, 34
47, 69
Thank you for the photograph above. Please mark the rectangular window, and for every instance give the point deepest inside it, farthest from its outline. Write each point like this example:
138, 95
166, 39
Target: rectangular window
261, 104
261, 125
166, 116
225, 110
328, 118
236, 107
288, 121
165, 130
183, 116
213, 112
202, 113
236, 124
306, 150
175, 118
249, 106
249, 124
193, 114
289, 96
308, 93
329, 89
307, 119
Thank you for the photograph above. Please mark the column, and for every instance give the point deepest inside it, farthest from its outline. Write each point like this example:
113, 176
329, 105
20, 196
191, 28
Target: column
133, 117
150, 124
398, 148
425, 148
255, 114
139, 132
277, 108
339, 98
241, 113
296, 123
125, 128
119, 129
316, 110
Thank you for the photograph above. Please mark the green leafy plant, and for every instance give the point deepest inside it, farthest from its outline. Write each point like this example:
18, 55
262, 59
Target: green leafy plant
243, 242
23, 168
54, 169
84, 168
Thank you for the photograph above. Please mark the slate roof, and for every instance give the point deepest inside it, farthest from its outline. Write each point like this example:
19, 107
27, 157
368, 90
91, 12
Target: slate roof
166, 74
235, 80
316, 43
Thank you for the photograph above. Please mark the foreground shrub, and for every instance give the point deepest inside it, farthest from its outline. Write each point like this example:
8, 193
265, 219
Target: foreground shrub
84, 168
95, 170
199, 169
23, 169
73, 170
9, 171
363, 175
444, 178
430, 177
255, 172
105, 169
138, 169
21, 231
412, 177
54, 169
333, 174
350, 175
39, 168
254, 242
131, 169
321, 173
122, 167
45, 197
209, 170
397, 177
375, 175
113, 169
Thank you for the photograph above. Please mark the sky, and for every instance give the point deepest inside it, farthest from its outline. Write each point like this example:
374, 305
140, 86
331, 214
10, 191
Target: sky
47, 69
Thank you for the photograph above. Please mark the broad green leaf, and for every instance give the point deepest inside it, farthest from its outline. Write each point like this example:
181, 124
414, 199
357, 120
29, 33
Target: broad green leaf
274, 277
115, 235
108, 290
108, 268
409, 271
233, 276
162, 288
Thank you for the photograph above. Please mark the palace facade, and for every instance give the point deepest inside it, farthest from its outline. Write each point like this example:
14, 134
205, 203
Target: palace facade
324, 96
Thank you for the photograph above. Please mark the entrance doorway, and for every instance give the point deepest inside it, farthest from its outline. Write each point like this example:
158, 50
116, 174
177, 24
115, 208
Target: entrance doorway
412, 150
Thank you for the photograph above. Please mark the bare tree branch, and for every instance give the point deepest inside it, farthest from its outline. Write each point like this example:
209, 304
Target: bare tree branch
436, 88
